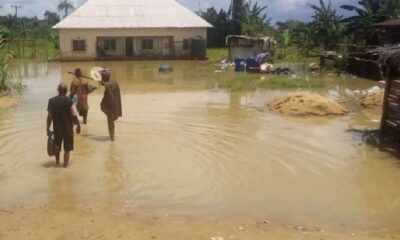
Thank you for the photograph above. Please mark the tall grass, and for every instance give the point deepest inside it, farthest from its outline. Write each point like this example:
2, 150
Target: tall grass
6, 82
39, 49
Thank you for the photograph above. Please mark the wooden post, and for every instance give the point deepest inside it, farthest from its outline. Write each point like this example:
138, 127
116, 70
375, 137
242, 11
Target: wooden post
385, 104
23, 48
45, 47
322, 61
33, 49
19, 49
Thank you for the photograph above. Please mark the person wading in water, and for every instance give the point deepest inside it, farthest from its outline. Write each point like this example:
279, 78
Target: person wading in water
81, 88
111, 102
62, 113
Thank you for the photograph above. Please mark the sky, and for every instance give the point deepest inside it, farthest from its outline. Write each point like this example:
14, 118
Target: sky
278, 10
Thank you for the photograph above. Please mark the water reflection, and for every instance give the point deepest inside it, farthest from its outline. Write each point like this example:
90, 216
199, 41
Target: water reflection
185, 149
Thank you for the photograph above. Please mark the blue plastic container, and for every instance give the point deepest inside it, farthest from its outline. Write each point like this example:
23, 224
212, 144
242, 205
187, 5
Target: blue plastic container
251, 63
240, 65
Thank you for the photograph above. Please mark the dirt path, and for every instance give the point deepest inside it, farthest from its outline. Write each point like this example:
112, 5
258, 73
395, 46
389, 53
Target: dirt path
48, 223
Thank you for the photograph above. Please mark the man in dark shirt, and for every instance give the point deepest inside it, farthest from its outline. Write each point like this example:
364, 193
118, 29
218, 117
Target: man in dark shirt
111, 102
62, 113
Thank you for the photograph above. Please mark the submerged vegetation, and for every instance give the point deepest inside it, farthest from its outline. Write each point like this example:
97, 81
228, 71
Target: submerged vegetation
7, 83
271, 82
5, 57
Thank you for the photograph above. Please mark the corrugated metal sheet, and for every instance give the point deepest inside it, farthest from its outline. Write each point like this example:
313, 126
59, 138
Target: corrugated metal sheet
96, 14
389, 23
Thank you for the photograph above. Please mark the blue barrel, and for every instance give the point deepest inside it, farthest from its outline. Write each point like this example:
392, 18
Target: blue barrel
251, 63
240, 65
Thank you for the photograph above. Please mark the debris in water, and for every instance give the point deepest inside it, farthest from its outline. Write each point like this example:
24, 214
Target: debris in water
165, 68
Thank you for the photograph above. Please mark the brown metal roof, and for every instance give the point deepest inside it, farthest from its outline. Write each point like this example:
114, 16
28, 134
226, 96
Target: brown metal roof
389, 23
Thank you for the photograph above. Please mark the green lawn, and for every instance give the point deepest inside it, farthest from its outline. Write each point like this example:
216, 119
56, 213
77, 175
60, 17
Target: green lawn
217, 54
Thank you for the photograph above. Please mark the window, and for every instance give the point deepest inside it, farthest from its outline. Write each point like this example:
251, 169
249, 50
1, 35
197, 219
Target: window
186, 44
110, 45
147, 44
78, 45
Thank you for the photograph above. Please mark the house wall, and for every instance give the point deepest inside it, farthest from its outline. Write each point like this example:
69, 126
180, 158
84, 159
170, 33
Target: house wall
91, 36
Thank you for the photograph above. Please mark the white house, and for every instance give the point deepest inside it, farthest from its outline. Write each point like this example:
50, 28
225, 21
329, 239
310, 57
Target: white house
132, 29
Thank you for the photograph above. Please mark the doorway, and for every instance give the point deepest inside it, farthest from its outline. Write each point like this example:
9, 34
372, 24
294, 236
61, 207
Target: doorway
129, 46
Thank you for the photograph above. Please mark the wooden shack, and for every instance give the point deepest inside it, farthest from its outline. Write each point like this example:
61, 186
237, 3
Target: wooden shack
390, 124
246, 46
368, 63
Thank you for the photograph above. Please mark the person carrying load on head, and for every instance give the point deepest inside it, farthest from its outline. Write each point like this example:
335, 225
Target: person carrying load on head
81, 89
111, 102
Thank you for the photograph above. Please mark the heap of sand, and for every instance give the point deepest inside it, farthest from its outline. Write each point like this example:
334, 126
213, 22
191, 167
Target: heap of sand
373, 100
306, 104
9, 102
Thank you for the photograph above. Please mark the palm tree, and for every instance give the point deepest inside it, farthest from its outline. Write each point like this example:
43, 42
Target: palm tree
391, 9
326, 27
65, 6
51, 17
367, 13
254, 21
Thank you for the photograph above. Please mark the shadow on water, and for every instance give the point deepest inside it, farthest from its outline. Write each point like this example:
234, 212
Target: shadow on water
51, 164
372, 139
100, 138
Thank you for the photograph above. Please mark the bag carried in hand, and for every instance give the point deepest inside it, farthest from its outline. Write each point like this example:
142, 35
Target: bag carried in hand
51, 149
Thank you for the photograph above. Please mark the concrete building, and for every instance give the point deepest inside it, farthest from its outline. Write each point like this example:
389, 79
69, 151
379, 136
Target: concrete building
132, 29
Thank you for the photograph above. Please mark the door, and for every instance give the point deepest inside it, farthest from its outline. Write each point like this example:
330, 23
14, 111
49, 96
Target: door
129, 46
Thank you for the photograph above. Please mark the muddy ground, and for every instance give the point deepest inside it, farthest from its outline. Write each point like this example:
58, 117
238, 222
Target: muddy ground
49, 223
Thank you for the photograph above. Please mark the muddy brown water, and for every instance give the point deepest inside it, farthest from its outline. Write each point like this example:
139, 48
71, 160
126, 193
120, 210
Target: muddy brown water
184, 147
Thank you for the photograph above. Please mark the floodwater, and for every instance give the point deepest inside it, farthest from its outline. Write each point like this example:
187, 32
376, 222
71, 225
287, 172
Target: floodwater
183, 147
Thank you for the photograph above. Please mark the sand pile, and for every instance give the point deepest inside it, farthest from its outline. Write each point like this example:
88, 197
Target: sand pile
373, 100
9, 102
306, 104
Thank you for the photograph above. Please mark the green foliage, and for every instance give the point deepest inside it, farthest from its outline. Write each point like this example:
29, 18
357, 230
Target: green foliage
217, 54
23, 28
247, 19
45, 38
222, 27
326, 28
51, 18
294, 33
272, 82
5, 56
254, 21
390, 9
368, 12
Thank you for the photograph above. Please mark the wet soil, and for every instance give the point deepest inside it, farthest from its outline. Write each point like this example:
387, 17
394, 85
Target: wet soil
49, 223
